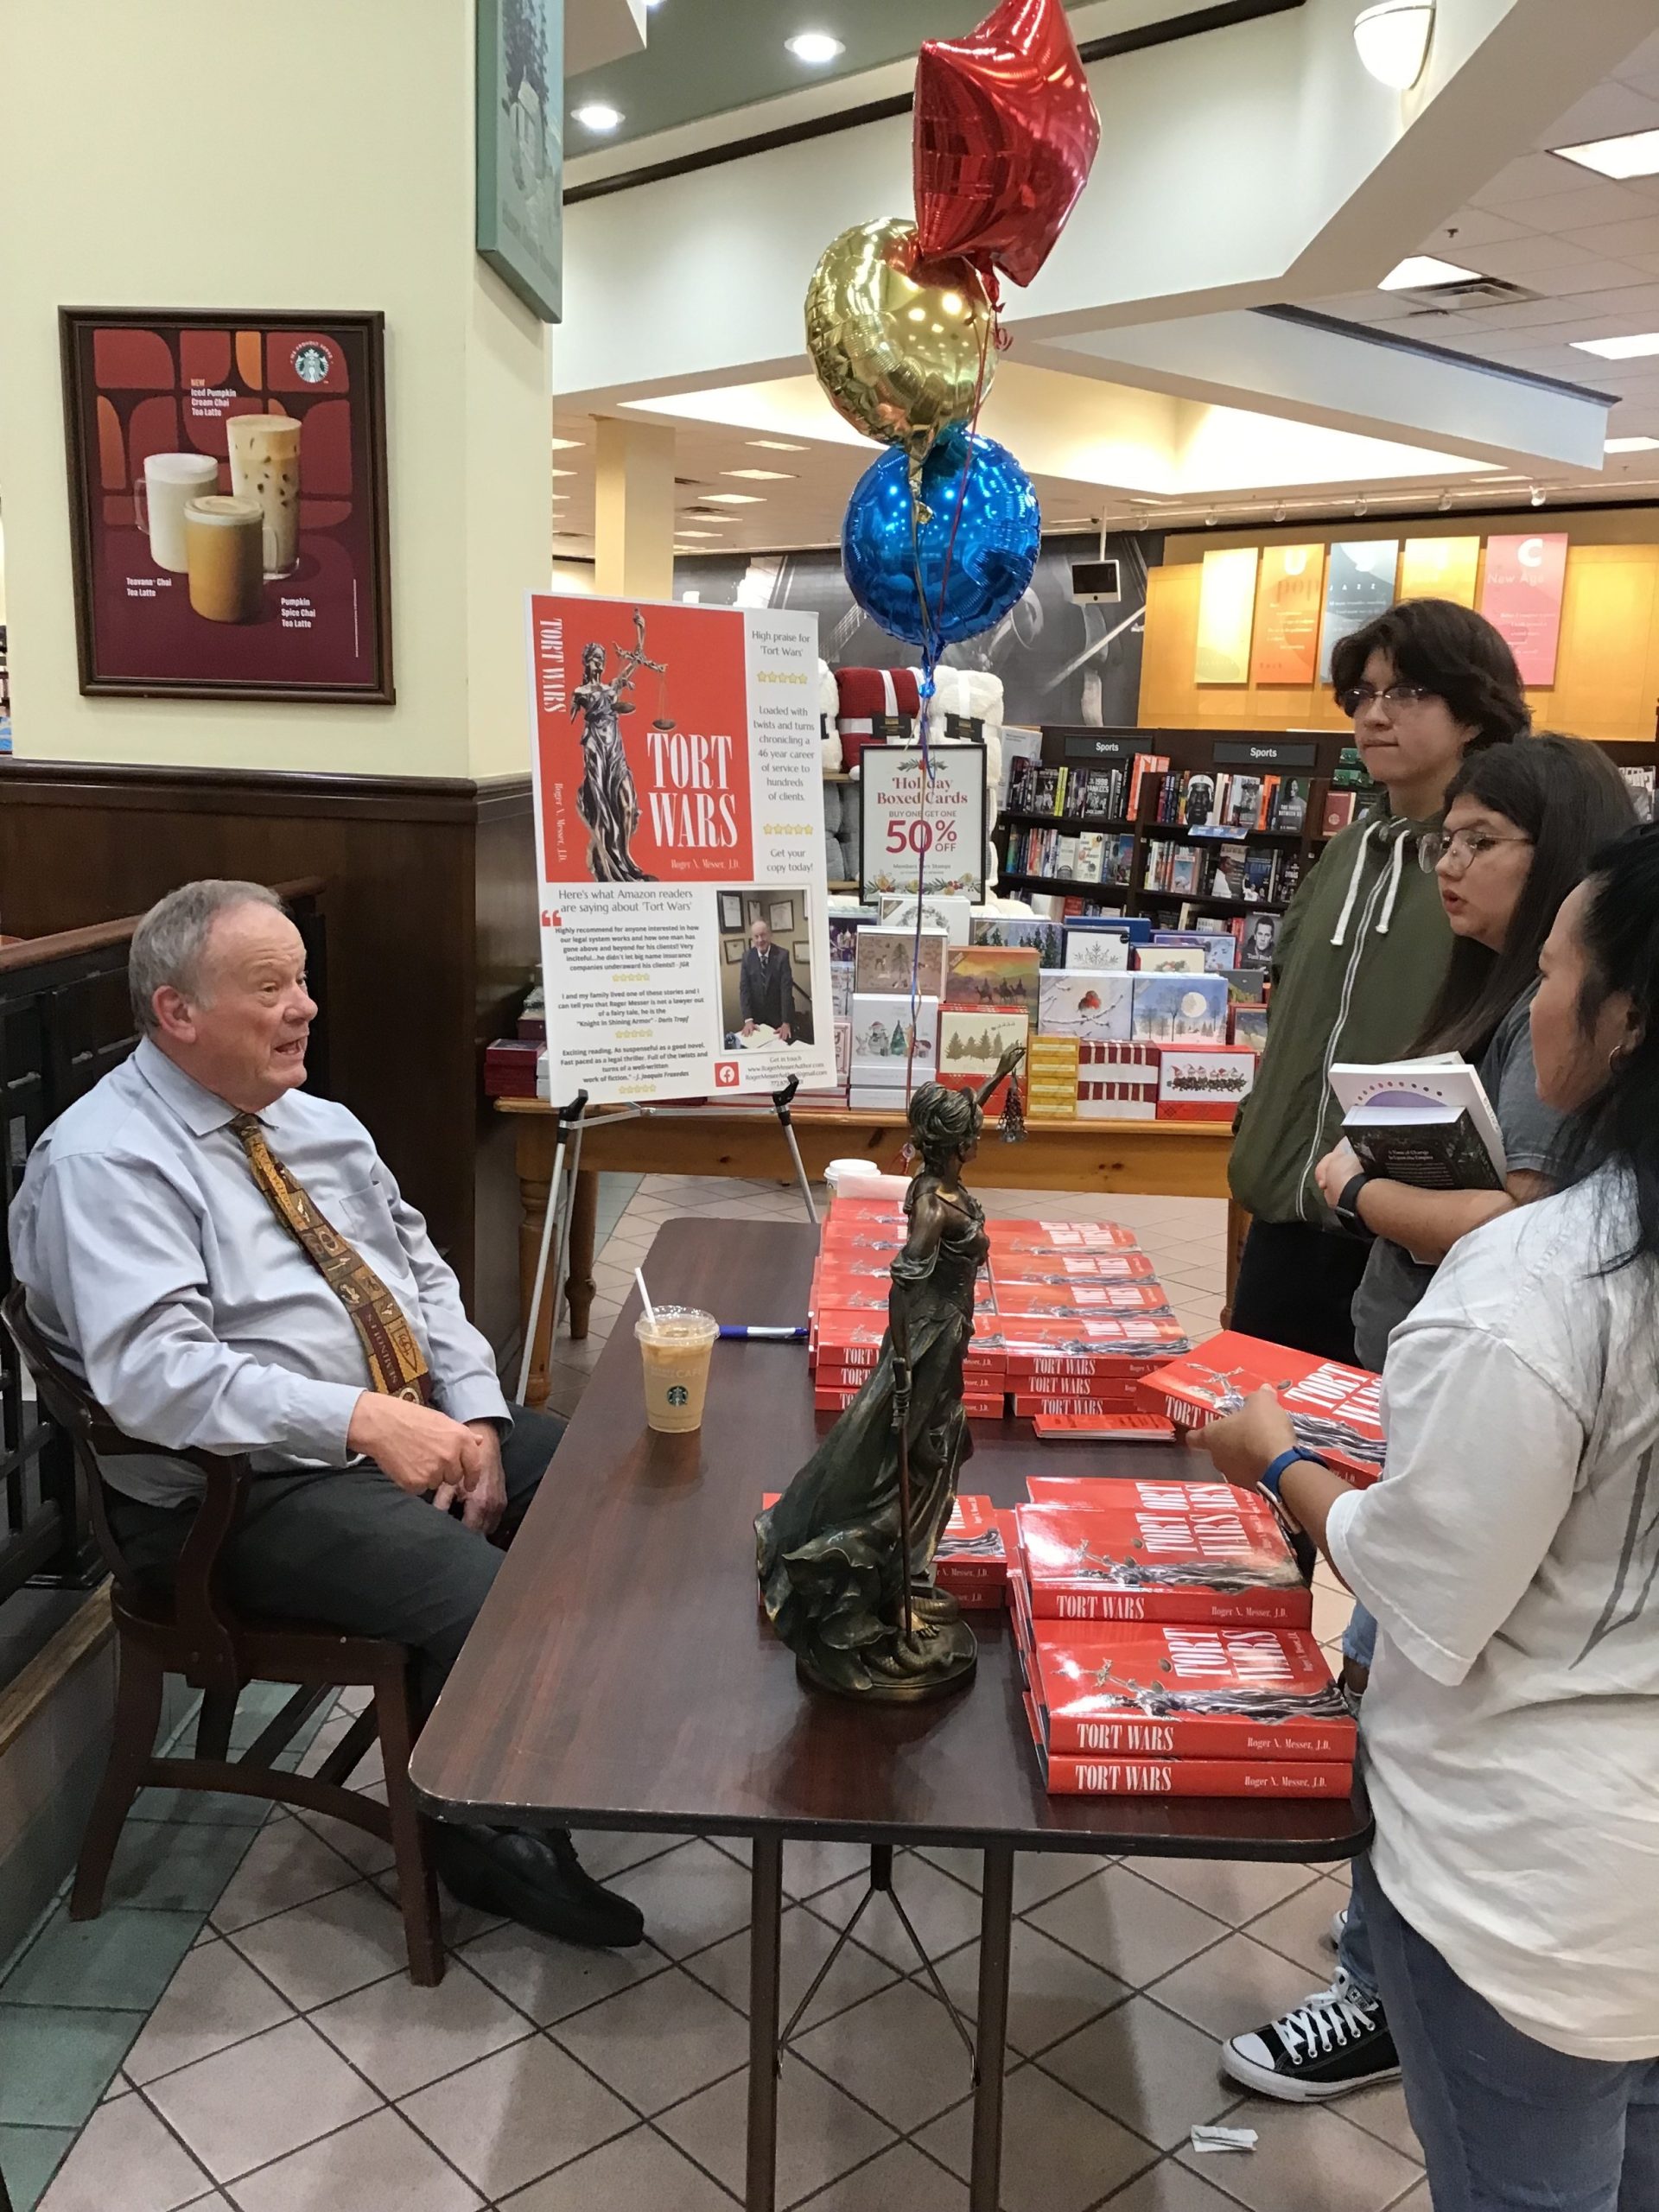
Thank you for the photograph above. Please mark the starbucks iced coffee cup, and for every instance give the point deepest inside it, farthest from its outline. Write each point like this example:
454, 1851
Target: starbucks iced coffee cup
675, 1344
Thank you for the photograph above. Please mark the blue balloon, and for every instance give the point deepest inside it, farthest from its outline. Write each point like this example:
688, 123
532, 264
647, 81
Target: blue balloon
991, 549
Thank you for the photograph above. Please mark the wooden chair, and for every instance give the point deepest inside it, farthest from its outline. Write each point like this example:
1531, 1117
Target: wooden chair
195, 1633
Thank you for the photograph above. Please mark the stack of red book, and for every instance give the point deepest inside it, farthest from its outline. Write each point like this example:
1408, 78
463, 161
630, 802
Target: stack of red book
1335, 1410
972, 1560
1164, 1633
848, 1311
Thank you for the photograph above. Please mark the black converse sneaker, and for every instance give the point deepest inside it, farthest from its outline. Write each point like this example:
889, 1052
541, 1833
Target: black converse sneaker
1336, 2041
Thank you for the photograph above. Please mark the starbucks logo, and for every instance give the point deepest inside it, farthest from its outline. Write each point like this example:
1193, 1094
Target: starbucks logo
677, 1394
312, 362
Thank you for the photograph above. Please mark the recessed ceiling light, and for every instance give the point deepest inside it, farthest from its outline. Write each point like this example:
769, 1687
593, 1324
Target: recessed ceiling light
1637, 153
599, 115
732, 499
1420, 271
1619, 349
1631, 445
776, 445
762, 475
699, 533
814, 47
566, 445
1539, 495
563, 472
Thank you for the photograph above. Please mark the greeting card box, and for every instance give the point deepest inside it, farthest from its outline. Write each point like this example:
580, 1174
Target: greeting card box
1092, 1005
1156, 959
972, 1041
881, 1028
1096, 952
1249, 1027
986, 977
1179, 1010
1118, 1082
1335, 1410
1167, 1690
950, 916
1106, 1423
1193, 1557
1052, 1077
883, 961
1204, 1082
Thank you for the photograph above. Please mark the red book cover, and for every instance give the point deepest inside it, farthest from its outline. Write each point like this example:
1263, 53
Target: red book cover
1104, 1406
1120, 1390
1336, 1410
1102, 1427
1058, 1236
1066, 1776
1050, 1266
1022, 1300
1193, 1555
1171, 1691
1151, 1494
846, 1206
1123, 1345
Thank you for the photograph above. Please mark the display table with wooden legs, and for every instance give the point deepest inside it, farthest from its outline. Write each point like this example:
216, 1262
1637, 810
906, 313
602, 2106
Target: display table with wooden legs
1177, 1159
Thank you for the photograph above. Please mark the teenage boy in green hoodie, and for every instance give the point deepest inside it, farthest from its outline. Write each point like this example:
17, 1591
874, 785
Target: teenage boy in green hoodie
1361, 955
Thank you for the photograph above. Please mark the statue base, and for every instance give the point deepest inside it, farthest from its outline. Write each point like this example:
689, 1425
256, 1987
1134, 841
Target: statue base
934, 1664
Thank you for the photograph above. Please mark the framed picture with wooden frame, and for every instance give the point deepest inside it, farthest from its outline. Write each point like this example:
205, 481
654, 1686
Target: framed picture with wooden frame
227, 496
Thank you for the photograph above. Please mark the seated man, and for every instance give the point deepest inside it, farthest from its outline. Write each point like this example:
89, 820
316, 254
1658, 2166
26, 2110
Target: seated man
231, 1266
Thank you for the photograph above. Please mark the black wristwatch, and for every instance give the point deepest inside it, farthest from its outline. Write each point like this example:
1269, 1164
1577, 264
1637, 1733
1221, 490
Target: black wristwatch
1347, 1206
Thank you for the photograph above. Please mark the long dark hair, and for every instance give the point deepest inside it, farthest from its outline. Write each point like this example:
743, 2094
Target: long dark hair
1620, 1127
1568, 797
1451, 651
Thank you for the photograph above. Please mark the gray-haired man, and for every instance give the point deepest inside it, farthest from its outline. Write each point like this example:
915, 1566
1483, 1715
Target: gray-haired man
231, 1266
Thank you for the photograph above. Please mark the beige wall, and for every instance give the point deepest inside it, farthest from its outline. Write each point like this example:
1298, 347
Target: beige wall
1607, 670
204, 154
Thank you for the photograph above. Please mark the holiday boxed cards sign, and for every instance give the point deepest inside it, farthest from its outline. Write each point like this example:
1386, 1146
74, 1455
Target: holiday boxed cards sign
679, 834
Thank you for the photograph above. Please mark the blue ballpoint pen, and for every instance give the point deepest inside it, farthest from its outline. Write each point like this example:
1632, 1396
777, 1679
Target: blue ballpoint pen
741, 1330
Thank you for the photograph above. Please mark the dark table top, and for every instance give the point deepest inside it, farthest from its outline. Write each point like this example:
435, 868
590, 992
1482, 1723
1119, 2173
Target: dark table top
622, 1676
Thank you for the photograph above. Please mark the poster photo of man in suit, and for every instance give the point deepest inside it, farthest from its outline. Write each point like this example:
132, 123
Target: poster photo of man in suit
765, 987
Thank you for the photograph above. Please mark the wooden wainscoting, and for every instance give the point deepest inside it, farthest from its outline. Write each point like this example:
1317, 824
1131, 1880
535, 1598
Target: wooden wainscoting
431, 904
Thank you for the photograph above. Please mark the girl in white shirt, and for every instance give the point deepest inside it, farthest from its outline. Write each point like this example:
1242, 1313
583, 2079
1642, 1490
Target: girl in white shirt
1511, 1555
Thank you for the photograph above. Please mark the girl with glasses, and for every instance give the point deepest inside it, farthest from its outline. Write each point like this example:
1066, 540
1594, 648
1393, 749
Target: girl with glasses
1510, 1553
1521, 823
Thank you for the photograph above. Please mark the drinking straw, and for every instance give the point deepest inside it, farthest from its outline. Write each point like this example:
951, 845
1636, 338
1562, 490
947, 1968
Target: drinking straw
645, 1296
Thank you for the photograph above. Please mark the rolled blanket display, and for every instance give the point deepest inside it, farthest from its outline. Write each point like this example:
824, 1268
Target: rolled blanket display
877, 706
829, 717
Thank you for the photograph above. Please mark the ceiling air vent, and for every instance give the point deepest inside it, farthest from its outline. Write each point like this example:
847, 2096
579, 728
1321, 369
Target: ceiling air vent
1468, 295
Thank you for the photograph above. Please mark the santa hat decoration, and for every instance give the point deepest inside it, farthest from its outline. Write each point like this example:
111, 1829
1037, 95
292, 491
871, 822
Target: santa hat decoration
878, 706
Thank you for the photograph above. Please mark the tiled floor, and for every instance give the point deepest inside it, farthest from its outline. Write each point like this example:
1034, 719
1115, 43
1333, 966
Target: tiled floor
277, 2058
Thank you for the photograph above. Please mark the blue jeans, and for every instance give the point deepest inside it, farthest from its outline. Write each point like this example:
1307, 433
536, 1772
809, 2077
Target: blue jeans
1508, 2125
1354, 1952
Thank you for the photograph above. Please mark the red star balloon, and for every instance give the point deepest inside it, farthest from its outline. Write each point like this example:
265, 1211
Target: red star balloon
1007, 131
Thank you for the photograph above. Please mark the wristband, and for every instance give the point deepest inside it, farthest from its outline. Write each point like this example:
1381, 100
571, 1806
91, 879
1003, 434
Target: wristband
1347, 1206
1273, 1476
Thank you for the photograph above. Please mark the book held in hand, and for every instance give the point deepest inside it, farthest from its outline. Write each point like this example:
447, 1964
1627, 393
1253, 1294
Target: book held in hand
1336, 1411
1426, 1121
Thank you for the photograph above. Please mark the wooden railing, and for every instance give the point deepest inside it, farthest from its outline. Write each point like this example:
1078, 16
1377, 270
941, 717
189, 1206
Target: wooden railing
65, 1021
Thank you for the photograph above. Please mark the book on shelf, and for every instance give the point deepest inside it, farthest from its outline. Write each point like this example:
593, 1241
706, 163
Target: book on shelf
1425, 1122
1066, 856
1146, 765
1340, 807
1196, 1555
1335, 1410
1090, 862
1167, 1690
1047, 788
1641, 782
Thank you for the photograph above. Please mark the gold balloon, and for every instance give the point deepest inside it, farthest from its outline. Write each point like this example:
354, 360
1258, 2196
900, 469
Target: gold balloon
899, 343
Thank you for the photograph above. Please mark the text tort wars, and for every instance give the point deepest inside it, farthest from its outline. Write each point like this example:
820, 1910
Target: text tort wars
692, 805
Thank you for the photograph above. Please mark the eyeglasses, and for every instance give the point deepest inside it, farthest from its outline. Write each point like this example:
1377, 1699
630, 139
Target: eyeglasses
1459, 849
1358, 697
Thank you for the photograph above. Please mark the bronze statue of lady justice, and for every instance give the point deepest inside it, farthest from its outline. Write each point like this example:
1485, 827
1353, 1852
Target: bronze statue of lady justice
845, 1557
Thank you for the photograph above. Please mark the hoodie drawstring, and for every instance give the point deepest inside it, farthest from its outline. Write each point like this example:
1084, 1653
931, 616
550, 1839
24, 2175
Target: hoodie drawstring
1361, 849
1396, 869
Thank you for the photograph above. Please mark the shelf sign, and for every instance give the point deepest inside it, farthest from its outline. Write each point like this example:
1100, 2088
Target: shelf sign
1226, 616
1106, 748
1287, 615
1358, 586
1264, 753
1526, 580
1441, 567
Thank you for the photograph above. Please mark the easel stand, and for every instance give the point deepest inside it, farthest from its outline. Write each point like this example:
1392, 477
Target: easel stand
570, 1120
780, 1105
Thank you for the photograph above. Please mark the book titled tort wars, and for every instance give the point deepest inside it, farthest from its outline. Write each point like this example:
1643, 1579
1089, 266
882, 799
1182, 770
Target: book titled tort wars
1176, 1690
1067, 1776
1335, 1410
1187, 1551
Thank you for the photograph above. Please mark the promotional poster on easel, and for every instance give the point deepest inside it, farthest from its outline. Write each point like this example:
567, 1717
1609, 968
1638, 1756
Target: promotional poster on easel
679, 831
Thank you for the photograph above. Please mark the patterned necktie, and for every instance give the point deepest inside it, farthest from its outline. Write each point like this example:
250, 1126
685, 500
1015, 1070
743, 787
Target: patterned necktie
396, 1366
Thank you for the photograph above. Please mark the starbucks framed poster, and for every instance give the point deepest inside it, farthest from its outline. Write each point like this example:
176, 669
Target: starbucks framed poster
520, 190
228, 500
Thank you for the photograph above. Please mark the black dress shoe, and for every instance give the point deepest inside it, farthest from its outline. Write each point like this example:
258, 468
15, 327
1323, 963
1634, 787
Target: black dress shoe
536, 1880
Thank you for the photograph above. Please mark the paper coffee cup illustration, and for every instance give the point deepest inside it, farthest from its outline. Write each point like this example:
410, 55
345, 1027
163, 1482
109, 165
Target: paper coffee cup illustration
224, 540
159, 496
265, 465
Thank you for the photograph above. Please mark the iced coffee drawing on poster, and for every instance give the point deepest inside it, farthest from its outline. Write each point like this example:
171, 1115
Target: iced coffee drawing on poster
679, 818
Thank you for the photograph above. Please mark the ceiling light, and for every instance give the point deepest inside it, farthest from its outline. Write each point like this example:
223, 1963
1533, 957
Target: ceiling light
1421, 272
599, 115
1637, 153
566, 445
1446, 503
1393, 39
1281, 513
1619, 349
1211, 519
1539, 495
732, 499
762, 475
814, 47
1362, 508
1631, 445
563, 472
776, 445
